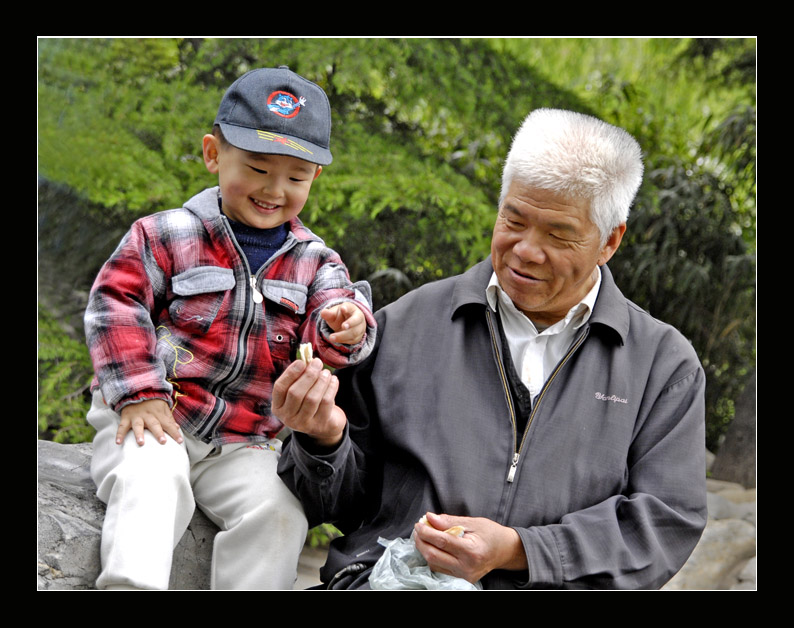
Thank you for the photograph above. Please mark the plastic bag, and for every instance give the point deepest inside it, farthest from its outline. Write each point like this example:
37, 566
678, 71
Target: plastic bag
403, 567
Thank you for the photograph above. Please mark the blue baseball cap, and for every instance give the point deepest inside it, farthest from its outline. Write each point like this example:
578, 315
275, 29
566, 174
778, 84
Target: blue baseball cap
275, 111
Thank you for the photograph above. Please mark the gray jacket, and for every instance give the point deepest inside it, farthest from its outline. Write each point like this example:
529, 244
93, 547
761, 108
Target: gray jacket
606, 486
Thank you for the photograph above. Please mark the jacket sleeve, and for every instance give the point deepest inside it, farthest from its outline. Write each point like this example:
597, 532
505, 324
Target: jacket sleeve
334, 486
331, 286
640, 538
118, 323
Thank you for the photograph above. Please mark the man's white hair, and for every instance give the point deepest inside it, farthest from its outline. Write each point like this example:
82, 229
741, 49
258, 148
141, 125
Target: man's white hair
578, 157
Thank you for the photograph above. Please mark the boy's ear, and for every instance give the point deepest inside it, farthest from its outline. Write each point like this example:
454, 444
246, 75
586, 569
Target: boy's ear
211, 148
317, 173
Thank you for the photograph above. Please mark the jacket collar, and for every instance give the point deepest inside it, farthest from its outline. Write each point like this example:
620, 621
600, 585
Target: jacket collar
611, 307
206, 205
470, 286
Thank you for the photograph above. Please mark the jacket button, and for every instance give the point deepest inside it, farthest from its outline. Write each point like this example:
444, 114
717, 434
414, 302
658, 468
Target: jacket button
324, 470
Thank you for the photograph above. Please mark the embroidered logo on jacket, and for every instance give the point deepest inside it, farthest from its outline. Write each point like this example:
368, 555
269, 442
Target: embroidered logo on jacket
613, 398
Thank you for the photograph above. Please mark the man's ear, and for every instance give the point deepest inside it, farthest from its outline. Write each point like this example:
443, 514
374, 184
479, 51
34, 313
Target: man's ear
211, 149
612, 244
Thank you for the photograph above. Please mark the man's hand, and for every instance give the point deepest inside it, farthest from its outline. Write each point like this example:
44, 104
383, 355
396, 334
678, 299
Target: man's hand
485, 546
347, 320
154, 415
303, 399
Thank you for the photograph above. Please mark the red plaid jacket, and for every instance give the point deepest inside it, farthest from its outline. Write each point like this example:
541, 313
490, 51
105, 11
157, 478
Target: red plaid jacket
176, 314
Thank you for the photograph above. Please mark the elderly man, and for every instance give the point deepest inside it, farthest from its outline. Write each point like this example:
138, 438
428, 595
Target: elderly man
526, 400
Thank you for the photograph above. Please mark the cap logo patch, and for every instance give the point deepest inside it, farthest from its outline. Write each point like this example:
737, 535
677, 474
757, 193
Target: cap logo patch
272, 137
285, 104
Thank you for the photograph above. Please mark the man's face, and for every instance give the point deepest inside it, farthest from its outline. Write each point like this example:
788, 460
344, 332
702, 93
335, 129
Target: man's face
545, 250
258, 190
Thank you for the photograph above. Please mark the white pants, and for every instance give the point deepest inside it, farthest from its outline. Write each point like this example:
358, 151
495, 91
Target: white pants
151, 492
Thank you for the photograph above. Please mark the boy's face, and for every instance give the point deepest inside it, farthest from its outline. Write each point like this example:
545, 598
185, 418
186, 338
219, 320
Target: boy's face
258, 190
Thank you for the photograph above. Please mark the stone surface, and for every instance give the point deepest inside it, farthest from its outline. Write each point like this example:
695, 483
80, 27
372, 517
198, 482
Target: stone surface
725, 557
70, 526
726, 547
69, 517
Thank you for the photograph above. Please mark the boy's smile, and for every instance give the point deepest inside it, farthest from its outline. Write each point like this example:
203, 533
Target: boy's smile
259, 190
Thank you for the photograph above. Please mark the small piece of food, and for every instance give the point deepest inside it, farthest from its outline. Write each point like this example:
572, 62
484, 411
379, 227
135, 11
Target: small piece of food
454, 530
305, 352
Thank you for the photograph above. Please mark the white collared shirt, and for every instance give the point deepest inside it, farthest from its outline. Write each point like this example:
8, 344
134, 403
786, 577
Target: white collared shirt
536, 352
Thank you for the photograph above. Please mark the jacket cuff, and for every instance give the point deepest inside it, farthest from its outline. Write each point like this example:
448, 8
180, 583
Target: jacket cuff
318, 464
351, 354
543, 557
146, 395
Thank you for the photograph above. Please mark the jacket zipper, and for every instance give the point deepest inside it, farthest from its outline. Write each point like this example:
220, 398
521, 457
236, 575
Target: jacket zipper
245, 326
256, 296
511, 474
250, 314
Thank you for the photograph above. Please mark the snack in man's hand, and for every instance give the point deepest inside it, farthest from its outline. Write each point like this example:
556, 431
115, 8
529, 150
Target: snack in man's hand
305, 352
454, 530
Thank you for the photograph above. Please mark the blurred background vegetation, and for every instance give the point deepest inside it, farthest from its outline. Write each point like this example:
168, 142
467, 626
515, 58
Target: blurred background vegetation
421, 127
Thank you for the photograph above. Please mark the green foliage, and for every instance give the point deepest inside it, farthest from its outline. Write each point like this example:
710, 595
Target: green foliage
64, 376
121, 133
321, 536
684, 259
421, 127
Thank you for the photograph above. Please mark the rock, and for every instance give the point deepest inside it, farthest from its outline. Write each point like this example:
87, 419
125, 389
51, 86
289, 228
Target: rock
736, 458
69, 519
722, 507
747, 576
70, 526
721, 555
725, 557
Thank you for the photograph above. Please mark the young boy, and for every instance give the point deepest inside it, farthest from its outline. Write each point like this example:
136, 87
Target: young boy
189, 324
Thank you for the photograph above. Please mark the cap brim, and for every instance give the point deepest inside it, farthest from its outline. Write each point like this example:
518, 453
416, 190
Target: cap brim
270, 143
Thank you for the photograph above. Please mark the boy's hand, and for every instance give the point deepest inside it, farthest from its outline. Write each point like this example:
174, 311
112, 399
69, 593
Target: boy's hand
347, 320
153, 415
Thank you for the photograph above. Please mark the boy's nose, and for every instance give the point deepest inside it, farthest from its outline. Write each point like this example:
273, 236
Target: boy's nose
273, 188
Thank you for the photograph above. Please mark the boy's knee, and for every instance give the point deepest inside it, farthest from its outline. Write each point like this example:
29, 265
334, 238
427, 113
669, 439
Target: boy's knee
154, 468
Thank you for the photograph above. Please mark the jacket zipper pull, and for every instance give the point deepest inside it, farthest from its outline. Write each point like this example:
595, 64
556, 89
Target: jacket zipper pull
512, 473
258, 298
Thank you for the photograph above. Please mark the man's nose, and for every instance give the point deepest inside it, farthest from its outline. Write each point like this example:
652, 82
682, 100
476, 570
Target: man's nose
529, 248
